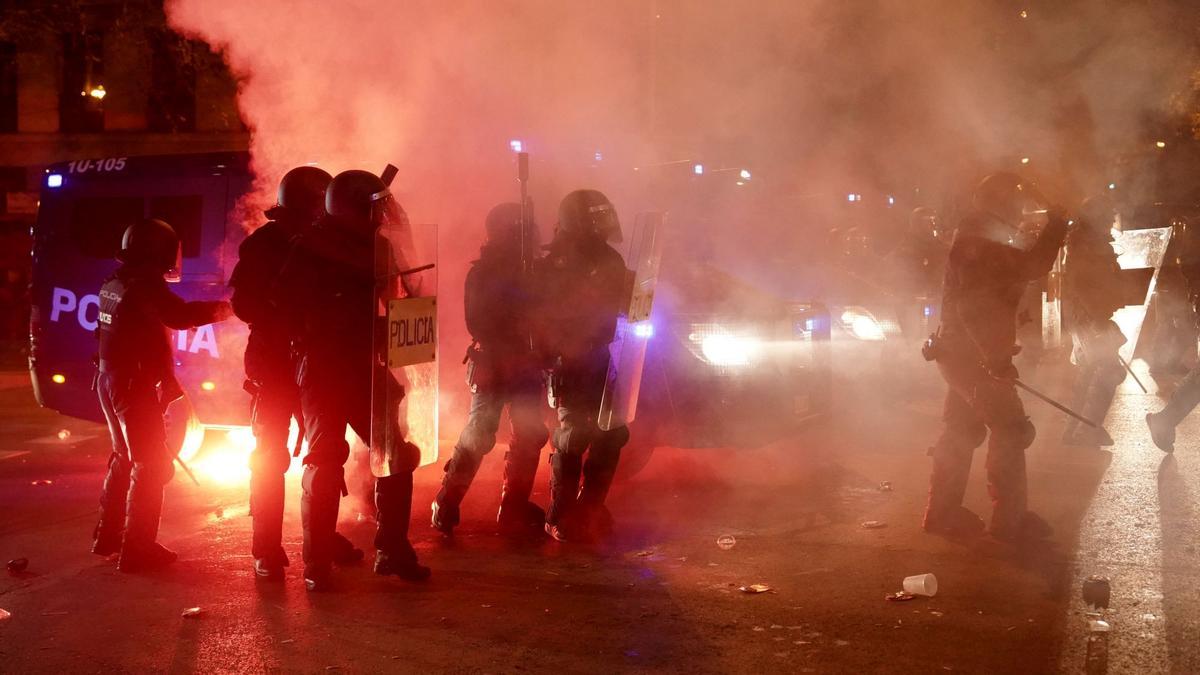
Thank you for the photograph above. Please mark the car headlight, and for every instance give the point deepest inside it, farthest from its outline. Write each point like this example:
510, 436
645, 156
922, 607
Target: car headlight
719, 346
862, 324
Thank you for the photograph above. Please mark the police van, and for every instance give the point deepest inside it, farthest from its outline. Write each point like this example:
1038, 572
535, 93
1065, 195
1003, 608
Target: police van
84, 210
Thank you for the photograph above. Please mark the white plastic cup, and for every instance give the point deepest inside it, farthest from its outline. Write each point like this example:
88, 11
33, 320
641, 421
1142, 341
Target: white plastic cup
921, 584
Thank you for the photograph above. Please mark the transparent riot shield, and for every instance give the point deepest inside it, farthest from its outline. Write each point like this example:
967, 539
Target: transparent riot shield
627, 352
1140, 253
1052, 306
405, 376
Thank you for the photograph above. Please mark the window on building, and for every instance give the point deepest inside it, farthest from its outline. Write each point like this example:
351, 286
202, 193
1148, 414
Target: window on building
8, 87
171, 106
98, 223
183, 213
81, 101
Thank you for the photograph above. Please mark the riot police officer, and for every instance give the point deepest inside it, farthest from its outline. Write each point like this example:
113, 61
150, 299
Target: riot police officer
135, 382
584, 281
504, 370
986, 274
328, 291
1186, 397
270, 367
1091, 294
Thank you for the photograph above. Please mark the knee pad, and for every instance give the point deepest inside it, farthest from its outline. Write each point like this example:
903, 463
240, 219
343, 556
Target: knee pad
153, 473
322, 479
959, 438
571, 440
275, 461
1111, 376
615, 439
1019, 434
407, 456
529, 440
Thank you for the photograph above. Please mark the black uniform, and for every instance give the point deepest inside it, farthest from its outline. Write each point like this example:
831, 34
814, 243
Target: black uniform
270, 374
136, 381
584, 281
327, 290
985, 280
504, 371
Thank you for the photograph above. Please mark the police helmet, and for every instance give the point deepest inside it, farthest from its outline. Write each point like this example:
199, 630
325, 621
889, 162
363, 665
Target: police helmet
302, 190
151, 242
1098, 212
1009, 199
503, 225
589, 214
353, 195
924, 223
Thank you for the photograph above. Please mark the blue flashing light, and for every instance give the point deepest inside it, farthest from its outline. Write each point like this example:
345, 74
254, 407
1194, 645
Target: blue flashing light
644, 329
516, 145
54, 180
928, 310
599, 156
698, 169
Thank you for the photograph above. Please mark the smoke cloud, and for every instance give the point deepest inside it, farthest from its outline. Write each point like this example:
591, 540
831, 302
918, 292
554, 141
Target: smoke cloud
818, 98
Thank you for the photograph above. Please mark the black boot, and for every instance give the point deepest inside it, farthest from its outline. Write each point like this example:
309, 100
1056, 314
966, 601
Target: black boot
110, 529
319, 501
395, 554
460, 472
266, 512
565, 473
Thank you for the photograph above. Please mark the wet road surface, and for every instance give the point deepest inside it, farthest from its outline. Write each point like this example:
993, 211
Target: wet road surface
661, 595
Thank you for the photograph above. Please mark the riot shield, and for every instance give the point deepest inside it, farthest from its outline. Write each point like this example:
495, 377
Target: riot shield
1052, 306
1143, 251
405, 376
627, 352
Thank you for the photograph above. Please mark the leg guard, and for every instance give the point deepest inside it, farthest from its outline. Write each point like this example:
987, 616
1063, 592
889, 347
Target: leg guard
1006, 473
529, 435
601, 466
266, 511
144, 507
460, 472
393, 500
113, 496
565, 472
962, 432
1185, 399
320, 497
1101, 390
271, 420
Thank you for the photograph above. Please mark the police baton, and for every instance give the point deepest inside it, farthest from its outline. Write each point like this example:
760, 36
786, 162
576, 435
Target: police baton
1051, 401
183, 465
1132, 374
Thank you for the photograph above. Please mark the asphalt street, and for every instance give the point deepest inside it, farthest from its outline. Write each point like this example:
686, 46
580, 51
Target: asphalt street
661, 595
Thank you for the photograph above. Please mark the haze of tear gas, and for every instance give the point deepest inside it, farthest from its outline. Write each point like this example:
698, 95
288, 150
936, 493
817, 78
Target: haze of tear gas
813, 95
818, 98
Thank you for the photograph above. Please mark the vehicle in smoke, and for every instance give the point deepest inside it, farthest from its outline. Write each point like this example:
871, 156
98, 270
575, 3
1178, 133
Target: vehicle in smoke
84, 209
729, 365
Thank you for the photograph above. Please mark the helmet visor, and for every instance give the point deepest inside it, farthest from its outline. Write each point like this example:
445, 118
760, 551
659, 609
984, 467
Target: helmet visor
174, 273
605, 223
